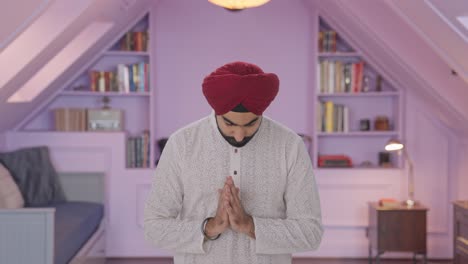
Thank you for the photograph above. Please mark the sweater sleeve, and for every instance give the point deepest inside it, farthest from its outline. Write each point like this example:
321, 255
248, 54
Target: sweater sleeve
301, 230
162, 227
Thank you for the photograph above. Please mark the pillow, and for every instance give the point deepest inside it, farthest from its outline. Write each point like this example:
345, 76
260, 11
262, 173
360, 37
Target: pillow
10, 196
35, 175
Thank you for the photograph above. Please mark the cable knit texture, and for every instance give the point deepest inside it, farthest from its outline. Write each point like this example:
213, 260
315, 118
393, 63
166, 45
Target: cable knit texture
277, 188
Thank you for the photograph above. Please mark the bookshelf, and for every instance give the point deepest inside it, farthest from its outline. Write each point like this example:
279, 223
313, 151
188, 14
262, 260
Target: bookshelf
367, 94
356, 110
120, 73
101, 94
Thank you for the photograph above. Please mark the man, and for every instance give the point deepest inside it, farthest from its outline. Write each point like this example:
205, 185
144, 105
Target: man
236, 186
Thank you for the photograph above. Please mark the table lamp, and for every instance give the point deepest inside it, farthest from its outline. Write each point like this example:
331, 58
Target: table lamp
396, 145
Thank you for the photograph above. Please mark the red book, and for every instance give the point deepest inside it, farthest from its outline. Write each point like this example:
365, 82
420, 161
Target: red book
360, 75
93, 81
355, 77
137, 41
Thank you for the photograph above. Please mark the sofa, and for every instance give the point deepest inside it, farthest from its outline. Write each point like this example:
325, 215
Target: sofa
45, 227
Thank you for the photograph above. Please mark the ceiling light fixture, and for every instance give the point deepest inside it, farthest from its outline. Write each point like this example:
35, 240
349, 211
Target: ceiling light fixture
236, 5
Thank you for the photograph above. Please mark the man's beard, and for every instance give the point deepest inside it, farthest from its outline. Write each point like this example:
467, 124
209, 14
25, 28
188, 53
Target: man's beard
233, 142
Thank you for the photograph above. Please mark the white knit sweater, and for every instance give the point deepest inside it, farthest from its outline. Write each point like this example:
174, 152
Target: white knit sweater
277, 188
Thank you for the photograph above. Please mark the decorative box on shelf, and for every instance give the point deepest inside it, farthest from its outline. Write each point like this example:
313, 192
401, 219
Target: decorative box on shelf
105, 120
69, 119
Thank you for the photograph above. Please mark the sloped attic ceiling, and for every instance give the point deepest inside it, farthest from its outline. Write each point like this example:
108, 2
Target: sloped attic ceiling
20, 19
393, 32
389, 41
450, 43
52, 32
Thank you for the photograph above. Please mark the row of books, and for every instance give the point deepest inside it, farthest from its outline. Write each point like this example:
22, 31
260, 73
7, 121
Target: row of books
134, 41
332, 117
138, 151
327, 41
127, 78
341, 77
70, 119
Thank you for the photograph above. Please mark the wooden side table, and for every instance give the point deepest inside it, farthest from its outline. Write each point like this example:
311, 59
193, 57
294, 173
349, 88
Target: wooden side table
398, 228
460, 232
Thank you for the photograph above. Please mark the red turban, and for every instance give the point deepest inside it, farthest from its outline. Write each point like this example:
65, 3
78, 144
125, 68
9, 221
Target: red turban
240, 83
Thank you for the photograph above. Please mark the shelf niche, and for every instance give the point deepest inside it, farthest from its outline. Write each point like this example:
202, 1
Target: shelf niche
350, 91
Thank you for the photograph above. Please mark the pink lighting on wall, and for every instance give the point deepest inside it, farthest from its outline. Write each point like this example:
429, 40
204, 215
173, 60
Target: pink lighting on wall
60, 62
38, 36
464, 21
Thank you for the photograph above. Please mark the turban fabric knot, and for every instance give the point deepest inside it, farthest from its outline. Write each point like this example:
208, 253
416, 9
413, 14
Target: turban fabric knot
240, 83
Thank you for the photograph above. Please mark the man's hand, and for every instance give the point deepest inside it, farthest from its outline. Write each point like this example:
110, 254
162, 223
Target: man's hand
238, 219
220, 222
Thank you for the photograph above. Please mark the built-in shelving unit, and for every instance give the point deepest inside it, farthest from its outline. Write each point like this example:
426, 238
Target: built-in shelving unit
349, 97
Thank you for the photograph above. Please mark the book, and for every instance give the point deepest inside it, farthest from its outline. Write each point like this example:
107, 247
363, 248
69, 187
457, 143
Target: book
70, 119
345, 119
141, 77
389, 202
329, 116
320, 41
147, 80
101, 82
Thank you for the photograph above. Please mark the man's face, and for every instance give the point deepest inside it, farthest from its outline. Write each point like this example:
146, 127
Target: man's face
238, 128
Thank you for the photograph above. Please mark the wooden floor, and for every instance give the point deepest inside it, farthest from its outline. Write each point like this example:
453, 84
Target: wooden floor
295, 261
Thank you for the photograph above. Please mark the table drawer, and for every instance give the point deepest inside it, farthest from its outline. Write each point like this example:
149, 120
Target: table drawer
402, 231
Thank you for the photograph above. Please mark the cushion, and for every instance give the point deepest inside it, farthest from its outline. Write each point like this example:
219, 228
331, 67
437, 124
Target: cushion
75, 223
35, 175
10, 196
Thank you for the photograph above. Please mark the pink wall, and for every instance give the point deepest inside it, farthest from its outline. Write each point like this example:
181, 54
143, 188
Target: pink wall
192, 38
460, 170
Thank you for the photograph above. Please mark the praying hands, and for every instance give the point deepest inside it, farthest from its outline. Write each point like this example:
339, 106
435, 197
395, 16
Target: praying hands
230, 213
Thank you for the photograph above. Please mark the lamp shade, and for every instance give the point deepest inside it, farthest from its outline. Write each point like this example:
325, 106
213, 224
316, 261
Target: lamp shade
238, 4
394, 145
